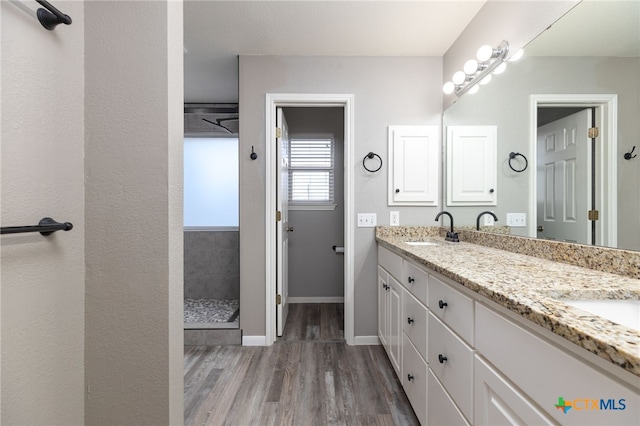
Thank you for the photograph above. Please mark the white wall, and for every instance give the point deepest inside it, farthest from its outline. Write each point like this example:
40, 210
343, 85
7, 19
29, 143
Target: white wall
388, 91
133, 166
42, 171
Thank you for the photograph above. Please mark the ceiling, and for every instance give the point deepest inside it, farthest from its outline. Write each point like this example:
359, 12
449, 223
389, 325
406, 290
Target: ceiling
216, 32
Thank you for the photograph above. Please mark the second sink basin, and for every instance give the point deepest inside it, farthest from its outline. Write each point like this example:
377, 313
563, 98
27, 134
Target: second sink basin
421, 243
625, 312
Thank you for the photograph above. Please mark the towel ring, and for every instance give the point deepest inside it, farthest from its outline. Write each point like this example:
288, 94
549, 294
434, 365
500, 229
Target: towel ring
370, 156
513, 155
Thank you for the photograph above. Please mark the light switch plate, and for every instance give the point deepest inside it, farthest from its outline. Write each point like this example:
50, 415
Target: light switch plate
366, 220
517, 219
394, 218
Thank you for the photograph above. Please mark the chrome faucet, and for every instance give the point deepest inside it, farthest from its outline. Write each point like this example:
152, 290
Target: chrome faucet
481, 214
451, 236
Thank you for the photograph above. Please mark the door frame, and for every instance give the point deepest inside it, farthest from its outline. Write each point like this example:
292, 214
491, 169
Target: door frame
273, 101
607, 120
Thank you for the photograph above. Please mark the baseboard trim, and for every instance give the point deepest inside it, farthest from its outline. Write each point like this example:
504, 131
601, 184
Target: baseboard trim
315, 299
366, 340
254, 340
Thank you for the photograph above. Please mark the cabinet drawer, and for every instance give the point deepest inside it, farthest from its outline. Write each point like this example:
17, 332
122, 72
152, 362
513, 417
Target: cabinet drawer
414, 322
414, 379
452, 362
545, 372
415, 280
452, 307
440, 408
391, 262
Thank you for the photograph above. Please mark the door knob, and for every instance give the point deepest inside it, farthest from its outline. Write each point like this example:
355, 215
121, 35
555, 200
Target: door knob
540, 228
289, 229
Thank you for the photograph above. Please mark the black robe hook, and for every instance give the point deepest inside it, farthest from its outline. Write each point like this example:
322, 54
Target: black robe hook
628, 155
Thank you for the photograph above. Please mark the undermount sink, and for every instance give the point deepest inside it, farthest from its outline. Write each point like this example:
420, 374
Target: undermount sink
421, 243
625, 312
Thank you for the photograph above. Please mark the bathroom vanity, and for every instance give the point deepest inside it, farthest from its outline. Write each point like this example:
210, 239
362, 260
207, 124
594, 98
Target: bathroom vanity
479, 335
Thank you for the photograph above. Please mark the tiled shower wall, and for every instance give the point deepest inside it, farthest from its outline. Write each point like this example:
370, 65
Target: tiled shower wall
211, 265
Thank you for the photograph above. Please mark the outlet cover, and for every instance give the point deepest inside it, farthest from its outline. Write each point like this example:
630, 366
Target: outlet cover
488, 220
394, 218
517, 219
366, 220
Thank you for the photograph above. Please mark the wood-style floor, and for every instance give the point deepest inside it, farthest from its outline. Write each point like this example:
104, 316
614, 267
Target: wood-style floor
309, 377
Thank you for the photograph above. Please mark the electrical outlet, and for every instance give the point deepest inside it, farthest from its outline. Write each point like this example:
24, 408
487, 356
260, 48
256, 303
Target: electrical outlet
517, 219
366, 220
488, 220
394, 218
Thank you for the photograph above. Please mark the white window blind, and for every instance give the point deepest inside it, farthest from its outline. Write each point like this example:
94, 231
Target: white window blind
311, 171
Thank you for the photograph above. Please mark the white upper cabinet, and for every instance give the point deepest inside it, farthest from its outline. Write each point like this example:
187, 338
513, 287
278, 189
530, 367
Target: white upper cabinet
471, 165
413, 166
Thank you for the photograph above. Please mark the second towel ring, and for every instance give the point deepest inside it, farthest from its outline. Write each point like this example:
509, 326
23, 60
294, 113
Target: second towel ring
370, 156
513, 155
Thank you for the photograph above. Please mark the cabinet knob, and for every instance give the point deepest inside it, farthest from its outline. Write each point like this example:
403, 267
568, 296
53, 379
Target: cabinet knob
491, 191
410, 280
410, 377
442, 358
397, 190
410, 320
442, 304
386, 287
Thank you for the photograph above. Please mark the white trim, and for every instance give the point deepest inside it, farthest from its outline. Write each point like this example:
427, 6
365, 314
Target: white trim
366, 340
345, 101
608, 153
311, 207
316, 299
254, 341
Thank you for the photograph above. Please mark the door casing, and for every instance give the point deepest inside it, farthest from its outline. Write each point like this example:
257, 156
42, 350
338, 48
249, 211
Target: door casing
273, 101
607, 120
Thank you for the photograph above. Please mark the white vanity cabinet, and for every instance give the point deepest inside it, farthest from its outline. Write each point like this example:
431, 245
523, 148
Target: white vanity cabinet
463, 360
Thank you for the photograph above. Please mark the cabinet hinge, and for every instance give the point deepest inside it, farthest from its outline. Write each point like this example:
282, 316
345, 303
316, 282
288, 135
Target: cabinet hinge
278, 299
593, 132
278, 132
594, 214
278, 215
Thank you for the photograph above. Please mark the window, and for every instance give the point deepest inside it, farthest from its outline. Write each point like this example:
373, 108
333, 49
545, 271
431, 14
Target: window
211, 182
311, 172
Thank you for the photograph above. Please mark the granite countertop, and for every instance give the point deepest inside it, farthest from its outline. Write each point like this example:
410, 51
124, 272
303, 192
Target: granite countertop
534, 288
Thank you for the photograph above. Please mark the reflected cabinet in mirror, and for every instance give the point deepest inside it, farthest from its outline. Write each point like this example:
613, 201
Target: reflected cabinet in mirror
578, 185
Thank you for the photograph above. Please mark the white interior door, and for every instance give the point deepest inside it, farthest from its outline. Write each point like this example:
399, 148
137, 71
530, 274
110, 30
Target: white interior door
563, 173
282, 225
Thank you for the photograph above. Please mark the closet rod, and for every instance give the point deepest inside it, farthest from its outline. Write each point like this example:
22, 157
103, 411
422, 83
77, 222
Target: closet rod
51, 17
46, 226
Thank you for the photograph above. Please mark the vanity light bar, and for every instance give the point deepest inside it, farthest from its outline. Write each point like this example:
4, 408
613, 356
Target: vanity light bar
488, 60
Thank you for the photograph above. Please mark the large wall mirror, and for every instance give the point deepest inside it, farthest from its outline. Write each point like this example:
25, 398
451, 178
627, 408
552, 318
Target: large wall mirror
584, 67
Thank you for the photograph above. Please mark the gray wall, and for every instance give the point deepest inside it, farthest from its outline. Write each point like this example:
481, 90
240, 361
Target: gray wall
315, 270
388, 91
211, 265
133, 212
42, 292
505, 103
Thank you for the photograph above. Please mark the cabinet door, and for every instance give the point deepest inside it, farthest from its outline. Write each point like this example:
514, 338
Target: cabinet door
471, 165
413, 165
383, 308
395, 324
498, 402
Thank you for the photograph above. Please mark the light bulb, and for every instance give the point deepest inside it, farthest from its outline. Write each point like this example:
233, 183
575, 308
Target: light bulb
474, 89
448, 87
471, 67
459, 77
500, 68
486, 80
484, 53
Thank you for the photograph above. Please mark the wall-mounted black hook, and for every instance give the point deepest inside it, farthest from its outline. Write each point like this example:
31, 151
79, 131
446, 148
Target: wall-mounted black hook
253, 155
370, 156
628, 155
